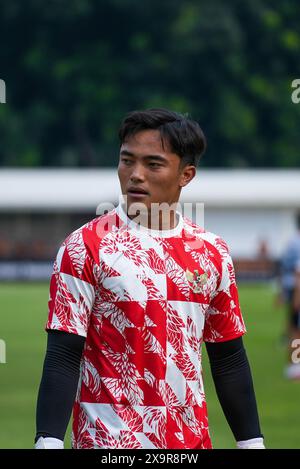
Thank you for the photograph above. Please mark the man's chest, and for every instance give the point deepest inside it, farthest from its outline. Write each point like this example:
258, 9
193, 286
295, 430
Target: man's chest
133, 269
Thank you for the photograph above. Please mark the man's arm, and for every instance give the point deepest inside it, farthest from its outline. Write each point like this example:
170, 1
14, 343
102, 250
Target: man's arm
233, 381
58, 388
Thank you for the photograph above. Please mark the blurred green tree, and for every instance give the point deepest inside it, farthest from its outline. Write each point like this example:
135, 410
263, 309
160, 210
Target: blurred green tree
72, 70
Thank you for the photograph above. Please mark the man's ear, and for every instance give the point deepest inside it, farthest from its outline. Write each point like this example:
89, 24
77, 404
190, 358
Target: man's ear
187, 174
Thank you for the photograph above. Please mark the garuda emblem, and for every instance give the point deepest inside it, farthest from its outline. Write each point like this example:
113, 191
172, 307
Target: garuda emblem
196, 280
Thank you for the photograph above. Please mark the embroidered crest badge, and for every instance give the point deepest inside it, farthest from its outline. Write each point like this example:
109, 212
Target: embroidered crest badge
196, 281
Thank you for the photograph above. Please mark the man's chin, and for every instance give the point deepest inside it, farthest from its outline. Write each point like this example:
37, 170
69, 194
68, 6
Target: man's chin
137, 198
134, 207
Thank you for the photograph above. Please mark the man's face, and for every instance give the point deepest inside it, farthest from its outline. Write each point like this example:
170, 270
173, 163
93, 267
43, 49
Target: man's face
150, 173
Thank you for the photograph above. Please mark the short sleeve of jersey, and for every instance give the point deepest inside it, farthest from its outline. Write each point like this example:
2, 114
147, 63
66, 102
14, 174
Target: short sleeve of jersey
72, 287
223, 320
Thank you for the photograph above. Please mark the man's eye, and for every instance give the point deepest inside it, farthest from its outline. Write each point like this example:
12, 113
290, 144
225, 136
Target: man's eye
154, 165
125, 160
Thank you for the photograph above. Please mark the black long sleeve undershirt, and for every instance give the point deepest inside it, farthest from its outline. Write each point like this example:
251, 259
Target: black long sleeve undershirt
234, 386
59, 384
230, 370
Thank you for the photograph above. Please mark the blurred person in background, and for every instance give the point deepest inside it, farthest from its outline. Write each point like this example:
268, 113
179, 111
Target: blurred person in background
294, 367
290, 298
130, 306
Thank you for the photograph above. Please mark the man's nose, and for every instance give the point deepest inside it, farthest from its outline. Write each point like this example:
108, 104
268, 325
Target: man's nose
137, 173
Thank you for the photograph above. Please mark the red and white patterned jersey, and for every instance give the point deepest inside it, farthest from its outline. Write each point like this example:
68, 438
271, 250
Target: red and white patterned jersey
145, 300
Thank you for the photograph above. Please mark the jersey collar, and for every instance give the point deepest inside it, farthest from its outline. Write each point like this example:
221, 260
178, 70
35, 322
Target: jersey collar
120, 210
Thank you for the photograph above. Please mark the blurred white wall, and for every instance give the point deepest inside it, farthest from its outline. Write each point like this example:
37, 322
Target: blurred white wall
246, 229
246, 207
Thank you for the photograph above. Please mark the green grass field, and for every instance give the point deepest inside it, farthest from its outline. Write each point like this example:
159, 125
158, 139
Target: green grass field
23, 315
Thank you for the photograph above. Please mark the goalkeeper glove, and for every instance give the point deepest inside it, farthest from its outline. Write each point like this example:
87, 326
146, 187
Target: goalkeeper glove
49, 443
254, 443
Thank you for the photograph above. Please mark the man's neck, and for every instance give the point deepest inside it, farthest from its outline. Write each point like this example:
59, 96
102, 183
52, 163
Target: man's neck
164, 220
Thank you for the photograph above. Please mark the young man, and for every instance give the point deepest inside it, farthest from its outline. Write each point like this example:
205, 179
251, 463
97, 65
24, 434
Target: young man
133, 295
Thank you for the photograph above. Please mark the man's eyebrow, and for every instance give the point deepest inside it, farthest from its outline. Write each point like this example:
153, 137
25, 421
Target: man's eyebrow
156, 158
126, 153
146, 157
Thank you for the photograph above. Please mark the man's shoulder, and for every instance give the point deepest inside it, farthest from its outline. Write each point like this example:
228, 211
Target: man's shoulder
208, 237
93, 230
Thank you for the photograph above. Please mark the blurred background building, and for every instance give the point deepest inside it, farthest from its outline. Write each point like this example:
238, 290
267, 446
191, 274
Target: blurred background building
254, 210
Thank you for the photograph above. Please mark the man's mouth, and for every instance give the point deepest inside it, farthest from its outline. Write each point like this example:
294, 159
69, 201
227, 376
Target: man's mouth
137, 192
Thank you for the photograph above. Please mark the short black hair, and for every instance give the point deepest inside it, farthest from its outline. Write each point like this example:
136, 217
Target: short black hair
183, 135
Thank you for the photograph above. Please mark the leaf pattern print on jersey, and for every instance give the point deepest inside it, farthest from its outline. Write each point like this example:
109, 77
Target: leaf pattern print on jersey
236, 319
222, 247
126, 243
161, 389
231, 271
193, 398
55, 267
63, 301
158, 385
212, 335
81, 314
130, 417
177, 275
105, 270
129, 376
149, 377
113, 386
184, 364
172, 399
152, 345
77, 251
149, 322
175, 325
152, 291
92, 224
175, 414
115, 315
103, 438
128, 440
110, 296
187, 415
193, 340
83, 439
91, 378
156, 420
155, 263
